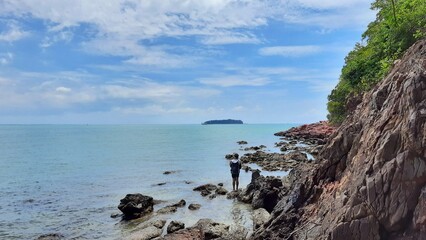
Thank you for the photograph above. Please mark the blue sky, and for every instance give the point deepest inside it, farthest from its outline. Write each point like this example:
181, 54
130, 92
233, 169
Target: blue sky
170, 61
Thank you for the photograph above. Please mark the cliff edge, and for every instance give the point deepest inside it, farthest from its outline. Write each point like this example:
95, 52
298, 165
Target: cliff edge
370, 182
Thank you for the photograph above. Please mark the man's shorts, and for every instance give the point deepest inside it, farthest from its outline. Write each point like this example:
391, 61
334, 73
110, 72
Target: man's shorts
235, 175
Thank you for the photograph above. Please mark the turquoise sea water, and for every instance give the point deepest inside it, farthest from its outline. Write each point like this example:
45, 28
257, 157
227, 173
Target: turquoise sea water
69, 178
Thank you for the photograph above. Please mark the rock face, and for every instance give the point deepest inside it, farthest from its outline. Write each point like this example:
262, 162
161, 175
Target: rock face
370, 183
136, 205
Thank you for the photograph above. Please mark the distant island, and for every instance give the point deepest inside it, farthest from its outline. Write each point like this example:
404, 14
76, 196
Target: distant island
225, 121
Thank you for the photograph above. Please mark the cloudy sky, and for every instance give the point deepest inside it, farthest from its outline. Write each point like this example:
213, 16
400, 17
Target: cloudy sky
173, 61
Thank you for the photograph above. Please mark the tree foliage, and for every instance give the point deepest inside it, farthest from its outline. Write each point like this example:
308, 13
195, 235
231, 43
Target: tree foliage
398, 24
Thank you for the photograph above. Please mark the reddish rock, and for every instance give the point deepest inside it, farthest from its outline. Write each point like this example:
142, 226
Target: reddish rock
319, 130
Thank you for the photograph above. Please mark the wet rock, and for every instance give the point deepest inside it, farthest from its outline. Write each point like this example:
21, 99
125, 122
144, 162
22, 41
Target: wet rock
172, 208
255, 148
221, 191
297, 156
136, 205
185, 234
147, 233
206, 189
232, 156
187, 182
242, 142
181, 203
175, 226
194, 206
169, 172
161, 184
167, 210
211, 229
205, 192
213, 196
260, 216
115, 215
220, 184
51, 236
232, 195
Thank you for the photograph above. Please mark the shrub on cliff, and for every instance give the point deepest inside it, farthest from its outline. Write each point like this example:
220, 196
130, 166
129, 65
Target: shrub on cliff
398, 24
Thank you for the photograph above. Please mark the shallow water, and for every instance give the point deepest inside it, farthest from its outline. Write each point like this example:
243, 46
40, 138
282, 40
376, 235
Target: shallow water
70, 178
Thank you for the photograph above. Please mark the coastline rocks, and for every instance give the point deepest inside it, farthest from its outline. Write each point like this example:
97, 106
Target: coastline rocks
262, 192
320, 131
232, 156
147, 230
136, 205
242, 142
175, 226
51, 236
167, 209
221, 191
260, 216
169, 172
211, 229
275, 161
255, 148
172, 208
206, 189
194, 206
185, 234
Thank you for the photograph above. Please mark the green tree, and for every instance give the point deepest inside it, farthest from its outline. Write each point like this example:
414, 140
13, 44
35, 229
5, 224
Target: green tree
398, 24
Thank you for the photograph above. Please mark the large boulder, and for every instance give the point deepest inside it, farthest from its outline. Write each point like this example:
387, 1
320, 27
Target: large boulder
136, 205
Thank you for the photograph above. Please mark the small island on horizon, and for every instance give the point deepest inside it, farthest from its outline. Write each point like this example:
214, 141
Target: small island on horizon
224, 121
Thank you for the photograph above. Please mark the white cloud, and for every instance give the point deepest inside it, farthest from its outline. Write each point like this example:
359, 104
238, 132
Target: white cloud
232, 81
13, 33
121, 27
290, 51
232, 38
6, 58
331, 4
62, 36
63, 90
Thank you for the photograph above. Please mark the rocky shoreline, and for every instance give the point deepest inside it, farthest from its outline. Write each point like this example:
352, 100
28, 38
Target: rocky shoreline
262, 193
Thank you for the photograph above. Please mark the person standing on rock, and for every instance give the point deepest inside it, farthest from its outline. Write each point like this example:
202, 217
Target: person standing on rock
235, 165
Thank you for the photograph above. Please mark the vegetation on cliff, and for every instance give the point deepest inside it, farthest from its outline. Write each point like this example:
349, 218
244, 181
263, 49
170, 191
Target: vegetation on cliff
398, 24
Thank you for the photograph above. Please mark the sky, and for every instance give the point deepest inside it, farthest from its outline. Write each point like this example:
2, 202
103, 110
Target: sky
173, 61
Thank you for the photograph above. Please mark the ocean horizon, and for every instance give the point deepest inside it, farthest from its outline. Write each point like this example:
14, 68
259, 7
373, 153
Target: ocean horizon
69, 178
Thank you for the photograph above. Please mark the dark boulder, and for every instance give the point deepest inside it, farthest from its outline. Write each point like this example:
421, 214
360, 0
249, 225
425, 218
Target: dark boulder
175, 226
232, 156
51, 236
136, 205
194, 206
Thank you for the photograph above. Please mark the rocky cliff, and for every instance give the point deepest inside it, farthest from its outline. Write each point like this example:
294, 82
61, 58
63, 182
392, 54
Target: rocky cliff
370, 182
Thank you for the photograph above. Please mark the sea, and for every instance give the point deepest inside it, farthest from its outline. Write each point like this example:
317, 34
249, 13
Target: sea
69, 179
